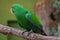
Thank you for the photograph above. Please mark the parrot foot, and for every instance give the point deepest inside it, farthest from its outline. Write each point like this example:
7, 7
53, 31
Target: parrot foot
30, 32
24, 31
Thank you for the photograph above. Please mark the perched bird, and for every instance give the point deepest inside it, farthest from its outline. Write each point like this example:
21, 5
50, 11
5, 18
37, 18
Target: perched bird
27, 19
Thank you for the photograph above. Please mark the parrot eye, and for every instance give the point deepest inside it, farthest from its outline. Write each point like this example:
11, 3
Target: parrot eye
26, 12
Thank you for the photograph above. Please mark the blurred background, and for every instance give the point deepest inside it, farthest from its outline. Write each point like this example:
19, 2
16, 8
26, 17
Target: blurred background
6, 18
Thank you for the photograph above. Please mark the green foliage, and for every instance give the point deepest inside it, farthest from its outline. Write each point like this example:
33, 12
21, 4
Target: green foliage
56, 4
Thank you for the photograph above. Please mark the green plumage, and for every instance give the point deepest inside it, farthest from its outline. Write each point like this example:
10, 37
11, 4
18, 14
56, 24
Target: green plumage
27, 19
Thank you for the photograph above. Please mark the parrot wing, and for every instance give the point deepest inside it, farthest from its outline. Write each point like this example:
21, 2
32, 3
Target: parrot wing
32, 22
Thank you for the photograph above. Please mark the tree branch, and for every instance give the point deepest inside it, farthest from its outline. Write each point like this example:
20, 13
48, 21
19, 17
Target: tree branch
32, 36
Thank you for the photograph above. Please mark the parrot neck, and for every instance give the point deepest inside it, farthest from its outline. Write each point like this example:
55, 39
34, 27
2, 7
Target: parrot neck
17, 15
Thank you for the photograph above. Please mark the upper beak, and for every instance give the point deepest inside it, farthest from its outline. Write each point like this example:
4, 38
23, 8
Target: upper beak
11, 11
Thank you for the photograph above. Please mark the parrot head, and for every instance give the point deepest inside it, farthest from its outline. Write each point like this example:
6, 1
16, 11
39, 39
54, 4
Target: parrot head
17, 9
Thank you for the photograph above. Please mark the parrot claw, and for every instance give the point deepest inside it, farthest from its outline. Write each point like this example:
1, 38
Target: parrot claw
29, 32
24, 32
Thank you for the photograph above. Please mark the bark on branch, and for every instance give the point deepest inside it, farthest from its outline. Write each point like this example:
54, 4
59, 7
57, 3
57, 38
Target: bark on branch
32, 36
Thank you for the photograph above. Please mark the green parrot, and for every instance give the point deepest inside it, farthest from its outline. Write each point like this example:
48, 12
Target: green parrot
26, 19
